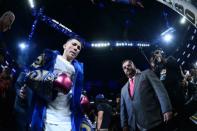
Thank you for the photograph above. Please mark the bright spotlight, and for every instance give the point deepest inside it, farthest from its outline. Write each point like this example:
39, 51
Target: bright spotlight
23, 46
195, 64
167, 37
167, 34
31, 3
183, 20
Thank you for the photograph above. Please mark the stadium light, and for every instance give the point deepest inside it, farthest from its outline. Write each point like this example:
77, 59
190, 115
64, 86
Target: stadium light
23, 46
31, 3
183, 20
167, 35
167, 38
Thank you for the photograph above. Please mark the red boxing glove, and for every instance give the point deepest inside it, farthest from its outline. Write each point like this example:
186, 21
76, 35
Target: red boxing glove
84, 104
63, 83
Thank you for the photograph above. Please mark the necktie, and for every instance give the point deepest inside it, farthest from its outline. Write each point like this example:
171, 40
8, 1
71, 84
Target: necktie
131, 83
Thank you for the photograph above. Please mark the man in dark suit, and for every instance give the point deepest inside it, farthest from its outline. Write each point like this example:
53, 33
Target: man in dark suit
145, 104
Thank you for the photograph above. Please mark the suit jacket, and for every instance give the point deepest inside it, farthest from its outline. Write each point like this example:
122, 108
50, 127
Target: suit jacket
149, 102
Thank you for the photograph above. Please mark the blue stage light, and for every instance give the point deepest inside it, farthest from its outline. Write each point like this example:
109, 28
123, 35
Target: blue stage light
23, 46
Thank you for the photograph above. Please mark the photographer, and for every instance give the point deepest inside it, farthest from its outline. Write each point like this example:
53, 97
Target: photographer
167, 69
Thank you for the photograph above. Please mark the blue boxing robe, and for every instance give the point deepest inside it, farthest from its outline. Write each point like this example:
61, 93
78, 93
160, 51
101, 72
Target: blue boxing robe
40, 78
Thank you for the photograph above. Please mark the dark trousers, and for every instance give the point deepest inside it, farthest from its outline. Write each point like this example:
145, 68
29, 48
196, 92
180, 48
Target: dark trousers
160, 127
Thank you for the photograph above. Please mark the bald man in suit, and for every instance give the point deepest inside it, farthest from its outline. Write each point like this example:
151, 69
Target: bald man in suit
145, 104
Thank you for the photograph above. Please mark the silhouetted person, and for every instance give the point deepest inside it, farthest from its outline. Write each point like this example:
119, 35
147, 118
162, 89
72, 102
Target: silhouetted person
104, 113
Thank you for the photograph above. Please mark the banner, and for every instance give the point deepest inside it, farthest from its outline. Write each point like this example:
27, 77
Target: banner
187, 8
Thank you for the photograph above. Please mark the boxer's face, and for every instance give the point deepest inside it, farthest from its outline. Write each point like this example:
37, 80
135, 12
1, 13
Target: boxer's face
72, 49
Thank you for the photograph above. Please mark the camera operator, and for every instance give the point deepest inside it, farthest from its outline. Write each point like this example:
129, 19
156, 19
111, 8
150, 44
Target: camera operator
167, 69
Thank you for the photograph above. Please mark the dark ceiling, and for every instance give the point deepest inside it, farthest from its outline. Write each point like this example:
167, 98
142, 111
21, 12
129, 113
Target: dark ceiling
103, 20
